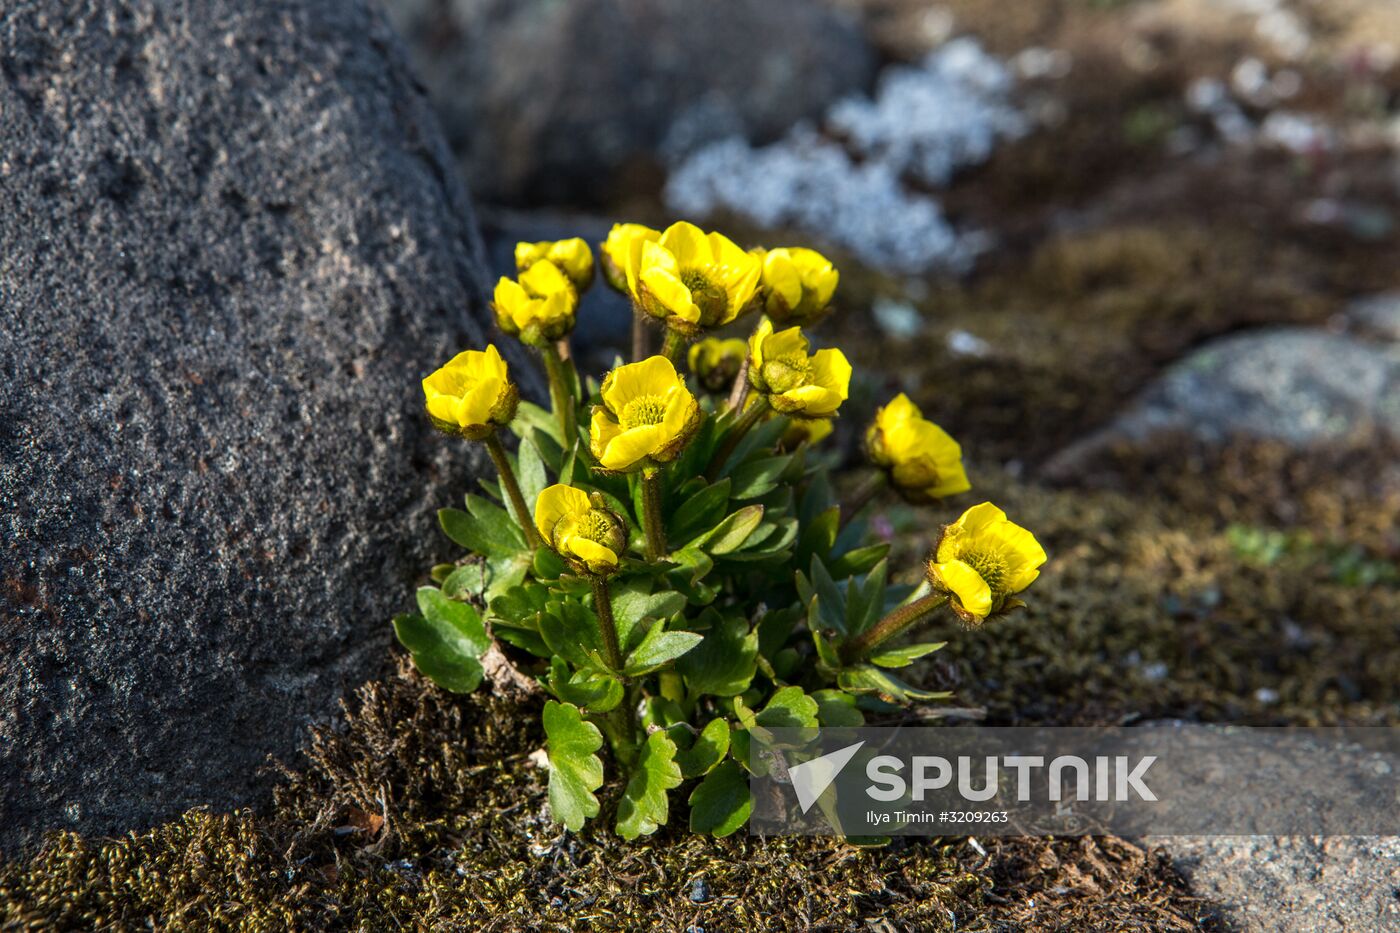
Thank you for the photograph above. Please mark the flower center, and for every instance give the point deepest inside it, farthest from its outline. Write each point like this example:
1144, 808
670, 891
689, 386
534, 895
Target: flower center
642, 411
990, 567
709, 296
785, 373
595, 526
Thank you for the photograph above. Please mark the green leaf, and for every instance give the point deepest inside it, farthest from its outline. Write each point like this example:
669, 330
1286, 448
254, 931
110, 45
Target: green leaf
725, 661
643, 807
446, 640
498, 524
659, 647
721, 803
818, 536
865, 601
858, 561
575, 772
633, 604
700, 512
829, 604
761, 437
546, 564
591, 690
903, 657
730, 534
835, 708
531, 473
866, 678
708, 750
789, 708
464, 581
531, 417
570, 629
758, 477
774, 629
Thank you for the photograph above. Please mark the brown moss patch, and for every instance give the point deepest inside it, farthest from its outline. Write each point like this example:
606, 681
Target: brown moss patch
464, 844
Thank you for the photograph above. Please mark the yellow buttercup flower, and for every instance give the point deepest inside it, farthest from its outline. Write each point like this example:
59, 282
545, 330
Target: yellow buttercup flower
581, 529
796, 383
716, 362
647, 416
471, 394
539, 308
922, 461
982, 561
691, 280
799, 284
622, 241
572, 256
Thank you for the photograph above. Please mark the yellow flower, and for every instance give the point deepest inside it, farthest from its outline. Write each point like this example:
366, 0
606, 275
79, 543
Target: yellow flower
798, 384
572, 256
716, 362
647, 416
622, 241
691, 280
982, 561
587, 534
471, 394
799, 283
922, 461
540, 307
811, 431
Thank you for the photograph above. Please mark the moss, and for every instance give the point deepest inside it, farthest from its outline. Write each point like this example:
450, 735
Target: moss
464, 844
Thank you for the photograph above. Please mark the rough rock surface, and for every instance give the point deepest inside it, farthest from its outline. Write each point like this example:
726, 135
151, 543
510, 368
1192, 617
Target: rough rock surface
548, 101
1299, 386
1294, 884
232, 244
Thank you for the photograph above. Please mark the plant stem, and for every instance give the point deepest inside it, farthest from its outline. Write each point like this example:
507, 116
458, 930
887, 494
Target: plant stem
740, 393
651, 514
559, 394
602, 605
863, 494
512, 490
746, 421
639, 336
891, 625
671, 344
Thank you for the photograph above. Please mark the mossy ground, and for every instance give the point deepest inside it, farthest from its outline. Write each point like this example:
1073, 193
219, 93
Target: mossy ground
422, 814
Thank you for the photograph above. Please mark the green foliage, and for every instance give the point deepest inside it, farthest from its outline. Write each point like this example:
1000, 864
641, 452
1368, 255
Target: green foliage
760, 615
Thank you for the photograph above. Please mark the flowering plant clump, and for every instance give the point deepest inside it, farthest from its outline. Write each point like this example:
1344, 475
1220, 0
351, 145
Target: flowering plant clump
664, 552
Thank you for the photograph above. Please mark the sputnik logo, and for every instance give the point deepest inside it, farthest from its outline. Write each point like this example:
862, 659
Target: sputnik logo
811, 778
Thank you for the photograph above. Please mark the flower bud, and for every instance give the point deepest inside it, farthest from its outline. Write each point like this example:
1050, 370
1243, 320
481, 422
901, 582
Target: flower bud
471, 394
795, 383
540, 307
921, 460
982, 561
588, 535
798, 284
572, 256
717, 362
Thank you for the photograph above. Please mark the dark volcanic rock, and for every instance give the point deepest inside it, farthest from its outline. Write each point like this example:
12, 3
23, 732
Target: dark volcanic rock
552, 101
232, 245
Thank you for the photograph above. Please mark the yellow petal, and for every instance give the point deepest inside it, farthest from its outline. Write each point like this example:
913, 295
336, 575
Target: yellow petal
831, 370
760, 336
668, 291
1020, 551
557, 502
601, 431
478, 401
980, 517
443, 407
780, 274
628, 447
544, 279
967, 587
598, 557
688, 244
653, 376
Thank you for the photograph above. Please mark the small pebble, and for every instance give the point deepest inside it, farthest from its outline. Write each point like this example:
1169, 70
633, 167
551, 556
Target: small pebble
699, 891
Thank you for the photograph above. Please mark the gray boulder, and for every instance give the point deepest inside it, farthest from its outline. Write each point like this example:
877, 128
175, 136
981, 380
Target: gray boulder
562, 101
1376, 317
1299, 386
233, 243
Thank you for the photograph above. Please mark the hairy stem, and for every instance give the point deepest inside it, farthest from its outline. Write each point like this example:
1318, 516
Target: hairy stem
651, 514
740, 393
671, 345
602, 605
639, 336
512, 490
891, 625
560, 395
746, 421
